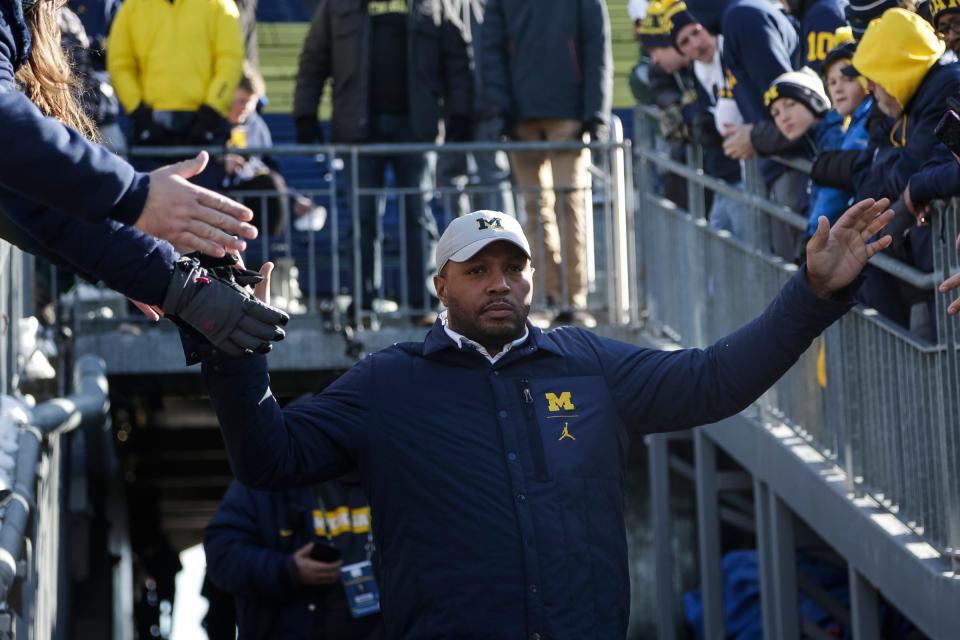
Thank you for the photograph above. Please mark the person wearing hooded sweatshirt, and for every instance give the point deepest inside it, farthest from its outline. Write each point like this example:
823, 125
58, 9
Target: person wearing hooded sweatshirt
902, 59
900, 55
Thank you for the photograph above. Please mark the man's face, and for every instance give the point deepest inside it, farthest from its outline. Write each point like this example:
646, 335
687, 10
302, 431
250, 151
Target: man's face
668, 59
488, 296
885, 102
948, 28
697, 43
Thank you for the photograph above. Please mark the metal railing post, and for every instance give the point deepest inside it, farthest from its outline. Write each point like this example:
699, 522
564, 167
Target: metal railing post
758, 225
619, 272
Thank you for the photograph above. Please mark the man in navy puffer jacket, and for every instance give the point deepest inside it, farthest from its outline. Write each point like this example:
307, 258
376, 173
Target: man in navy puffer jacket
493, 452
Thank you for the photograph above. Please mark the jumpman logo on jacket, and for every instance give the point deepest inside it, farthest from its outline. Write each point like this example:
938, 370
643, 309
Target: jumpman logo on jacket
566, 432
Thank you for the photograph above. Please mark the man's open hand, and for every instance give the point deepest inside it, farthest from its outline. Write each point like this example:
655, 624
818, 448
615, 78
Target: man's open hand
836, 255
192, 218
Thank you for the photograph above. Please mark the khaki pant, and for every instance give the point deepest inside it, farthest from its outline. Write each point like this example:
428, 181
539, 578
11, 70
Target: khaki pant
541, 175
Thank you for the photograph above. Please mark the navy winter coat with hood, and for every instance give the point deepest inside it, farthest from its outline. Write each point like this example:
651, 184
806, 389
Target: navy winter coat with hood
497, 489
67, 197
883, 171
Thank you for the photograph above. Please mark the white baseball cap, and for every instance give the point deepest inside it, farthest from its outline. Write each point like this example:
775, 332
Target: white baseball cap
468, 234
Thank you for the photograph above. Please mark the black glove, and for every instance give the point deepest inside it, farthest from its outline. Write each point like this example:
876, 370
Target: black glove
459, 129
308, 130
226, 268
220, 310
208, 127
142, 120
598, 130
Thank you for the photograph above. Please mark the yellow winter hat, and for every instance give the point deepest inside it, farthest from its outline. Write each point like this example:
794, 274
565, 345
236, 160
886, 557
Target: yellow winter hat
896, 52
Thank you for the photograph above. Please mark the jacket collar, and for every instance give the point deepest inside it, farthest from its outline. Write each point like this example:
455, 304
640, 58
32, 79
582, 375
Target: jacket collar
438, 340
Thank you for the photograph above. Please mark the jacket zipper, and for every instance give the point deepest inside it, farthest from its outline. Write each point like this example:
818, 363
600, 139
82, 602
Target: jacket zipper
533, 433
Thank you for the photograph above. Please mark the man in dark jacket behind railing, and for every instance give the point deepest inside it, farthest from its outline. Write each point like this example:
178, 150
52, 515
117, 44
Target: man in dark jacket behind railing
397, 69
548, 76
259, 548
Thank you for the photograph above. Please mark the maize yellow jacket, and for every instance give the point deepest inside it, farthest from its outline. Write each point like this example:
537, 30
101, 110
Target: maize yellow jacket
176, 55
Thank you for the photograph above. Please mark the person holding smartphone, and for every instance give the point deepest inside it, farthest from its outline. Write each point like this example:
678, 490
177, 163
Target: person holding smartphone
299, 563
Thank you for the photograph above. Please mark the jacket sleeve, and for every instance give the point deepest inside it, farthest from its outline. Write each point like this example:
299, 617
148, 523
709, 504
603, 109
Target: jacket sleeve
494, 66
939, 179
597, 61
122, 62
458, 81
755, 50
314, 66
307, 443
238, 558
127, 260
228, 59
51, 164
768, 140
835, 168
670, 390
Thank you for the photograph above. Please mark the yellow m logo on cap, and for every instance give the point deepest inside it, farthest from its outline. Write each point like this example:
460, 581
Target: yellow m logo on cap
562, 402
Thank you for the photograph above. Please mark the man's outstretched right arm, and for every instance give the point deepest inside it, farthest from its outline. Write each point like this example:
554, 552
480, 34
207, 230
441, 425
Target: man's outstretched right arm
311, 441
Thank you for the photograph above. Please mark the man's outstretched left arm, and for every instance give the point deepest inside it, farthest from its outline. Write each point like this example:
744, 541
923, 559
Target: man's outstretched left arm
670, 390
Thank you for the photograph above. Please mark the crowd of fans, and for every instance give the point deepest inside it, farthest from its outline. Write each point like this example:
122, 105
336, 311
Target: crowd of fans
857, 89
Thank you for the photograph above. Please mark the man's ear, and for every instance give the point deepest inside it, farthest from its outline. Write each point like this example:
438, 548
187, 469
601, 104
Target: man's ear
440, 284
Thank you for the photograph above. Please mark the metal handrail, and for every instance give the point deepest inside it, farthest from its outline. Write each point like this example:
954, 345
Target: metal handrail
876, 400
894, 267
373, 149
86, 407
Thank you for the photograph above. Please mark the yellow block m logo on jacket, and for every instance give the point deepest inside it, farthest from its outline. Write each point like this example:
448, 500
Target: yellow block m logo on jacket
562, 402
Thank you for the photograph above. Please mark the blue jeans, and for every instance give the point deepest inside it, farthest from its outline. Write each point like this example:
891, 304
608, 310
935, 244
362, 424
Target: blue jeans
728, 215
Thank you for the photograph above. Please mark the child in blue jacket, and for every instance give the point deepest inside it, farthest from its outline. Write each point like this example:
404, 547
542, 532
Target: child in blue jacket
799, 106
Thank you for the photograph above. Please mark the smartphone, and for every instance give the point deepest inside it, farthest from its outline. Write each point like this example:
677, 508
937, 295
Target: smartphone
948, 130
324, 552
